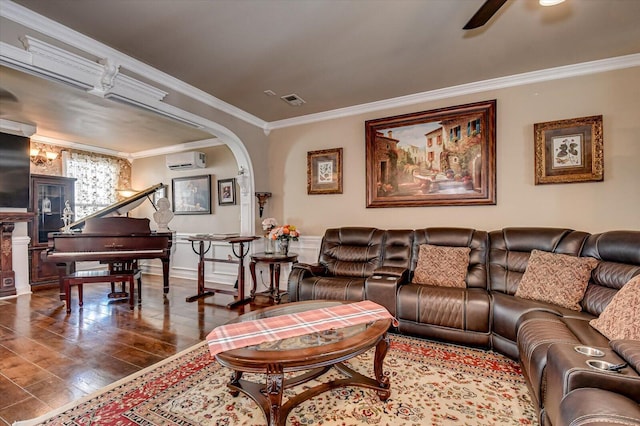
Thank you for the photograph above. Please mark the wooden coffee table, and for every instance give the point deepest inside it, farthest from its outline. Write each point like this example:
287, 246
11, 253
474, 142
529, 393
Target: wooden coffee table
315, 354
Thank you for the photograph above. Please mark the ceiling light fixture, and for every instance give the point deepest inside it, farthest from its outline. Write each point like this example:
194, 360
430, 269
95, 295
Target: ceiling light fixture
40, 157
549, 2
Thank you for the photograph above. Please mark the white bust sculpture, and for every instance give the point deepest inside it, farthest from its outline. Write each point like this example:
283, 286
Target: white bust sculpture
164, 214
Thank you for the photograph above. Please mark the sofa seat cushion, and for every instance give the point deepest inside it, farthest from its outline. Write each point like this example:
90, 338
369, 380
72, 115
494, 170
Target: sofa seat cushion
556, 278
331, 288
597, 407
621, 318
508, 310
457, 308
442, 266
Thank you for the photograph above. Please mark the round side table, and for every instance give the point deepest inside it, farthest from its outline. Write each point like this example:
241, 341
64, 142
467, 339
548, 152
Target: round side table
274, 261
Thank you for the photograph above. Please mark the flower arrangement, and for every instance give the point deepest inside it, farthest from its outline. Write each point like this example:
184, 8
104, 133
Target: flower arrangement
285, 232
268, 224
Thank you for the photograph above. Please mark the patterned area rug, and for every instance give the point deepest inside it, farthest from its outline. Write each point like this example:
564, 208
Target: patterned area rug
431, 384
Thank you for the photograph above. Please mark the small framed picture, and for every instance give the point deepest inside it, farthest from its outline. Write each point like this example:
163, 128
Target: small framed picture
191, 195
226, 192
568, 151
324, 171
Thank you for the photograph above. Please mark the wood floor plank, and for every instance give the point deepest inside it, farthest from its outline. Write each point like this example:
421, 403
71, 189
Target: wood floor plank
49, 358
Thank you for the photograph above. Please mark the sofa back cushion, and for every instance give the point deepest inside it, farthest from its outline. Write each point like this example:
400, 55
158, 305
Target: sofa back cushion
510, 249
442, 266
621, 317
352, 251
556, 278
476, 241
619, 255
398, 244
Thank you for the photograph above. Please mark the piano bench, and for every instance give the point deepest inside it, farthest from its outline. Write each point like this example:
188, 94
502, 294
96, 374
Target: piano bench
102, 276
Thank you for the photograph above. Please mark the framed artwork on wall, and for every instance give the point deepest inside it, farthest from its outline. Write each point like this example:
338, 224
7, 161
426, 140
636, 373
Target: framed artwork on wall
324, 171
191, 195
226, 192
568, 151
442, 157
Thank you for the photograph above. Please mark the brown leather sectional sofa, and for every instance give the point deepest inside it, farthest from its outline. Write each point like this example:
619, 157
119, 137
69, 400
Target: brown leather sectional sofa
357, 263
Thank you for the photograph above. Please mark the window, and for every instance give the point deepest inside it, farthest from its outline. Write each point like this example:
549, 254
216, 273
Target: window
473, 127
98, 178
454, 133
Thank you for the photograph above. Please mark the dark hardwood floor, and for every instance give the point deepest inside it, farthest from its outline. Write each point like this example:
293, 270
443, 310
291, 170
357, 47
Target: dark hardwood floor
49, 358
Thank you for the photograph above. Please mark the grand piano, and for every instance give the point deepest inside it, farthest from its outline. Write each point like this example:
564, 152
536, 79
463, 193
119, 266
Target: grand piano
109, 237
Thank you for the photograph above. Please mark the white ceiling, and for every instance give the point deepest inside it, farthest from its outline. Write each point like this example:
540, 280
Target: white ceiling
332, 53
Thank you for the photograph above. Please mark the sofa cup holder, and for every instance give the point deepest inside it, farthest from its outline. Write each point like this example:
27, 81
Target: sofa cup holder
601, 365
589, 351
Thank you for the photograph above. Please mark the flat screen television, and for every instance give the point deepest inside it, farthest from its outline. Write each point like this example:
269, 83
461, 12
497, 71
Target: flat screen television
14, 171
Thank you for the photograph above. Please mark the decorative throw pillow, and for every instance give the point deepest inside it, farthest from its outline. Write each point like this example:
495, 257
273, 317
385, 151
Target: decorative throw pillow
556, 278
442, 266
621, 318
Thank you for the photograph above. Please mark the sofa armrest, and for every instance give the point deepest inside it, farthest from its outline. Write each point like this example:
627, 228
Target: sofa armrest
567, 370
298, 272
392, 271
629, 350
383, 289
312, 269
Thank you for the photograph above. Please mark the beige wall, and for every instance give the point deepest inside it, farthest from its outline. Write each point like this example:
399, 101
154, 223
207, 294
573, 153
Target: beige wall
221, 164
592, 206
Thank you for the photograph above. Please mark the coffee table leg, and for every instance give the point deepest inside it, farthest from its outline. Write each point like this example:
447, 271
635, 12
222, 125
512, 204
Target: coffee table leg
381, 352
275, 386
235, 381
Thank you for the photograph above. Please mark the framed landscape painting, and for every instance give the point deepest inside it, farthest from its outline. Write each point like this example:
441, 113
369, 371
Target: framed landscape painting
442, 157
568, 151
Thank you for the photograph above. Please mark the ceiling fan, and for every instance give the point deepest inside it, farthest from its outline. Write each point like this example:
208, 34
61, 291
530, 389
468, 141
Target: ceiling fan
482, 16
490, 7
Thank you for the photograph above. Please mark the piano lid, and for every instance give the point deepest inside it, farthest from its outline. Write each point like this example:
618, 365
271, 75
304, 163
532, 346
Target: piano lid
121, 207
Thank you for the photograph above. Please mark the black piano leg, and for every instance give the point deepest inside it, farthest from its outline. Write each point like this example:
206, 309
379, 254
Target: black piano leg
165, 275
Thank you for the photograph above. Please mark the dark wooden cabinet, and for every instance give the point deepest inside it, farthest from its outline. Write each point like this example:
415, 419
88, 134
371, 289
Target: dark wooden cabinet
48, 196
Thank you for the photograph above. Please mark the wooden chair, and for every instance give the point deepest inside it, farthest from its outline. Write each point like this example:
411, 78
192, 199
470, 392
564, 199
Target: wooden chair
80, 278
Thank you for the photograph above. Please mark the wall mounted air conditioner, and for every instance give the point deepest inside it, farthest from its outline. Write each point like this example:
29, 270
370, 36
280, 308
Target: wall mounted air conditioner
186, 160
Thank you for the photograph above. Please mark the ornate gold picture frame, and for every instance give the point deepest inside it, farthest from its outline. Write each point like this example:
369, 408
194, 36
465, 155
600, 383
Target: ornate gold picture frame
441, 157
324, 171
569, 151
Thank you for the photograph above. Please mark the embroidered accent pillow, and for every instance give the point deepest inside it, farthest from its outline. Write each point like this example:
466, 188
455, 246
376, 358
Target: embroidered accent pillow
621, 318
556, 278
442, 266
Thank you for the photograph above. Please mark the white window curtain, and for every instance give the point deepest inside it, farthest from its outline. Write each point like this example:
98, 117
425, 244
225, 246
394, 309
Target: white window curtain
97, 179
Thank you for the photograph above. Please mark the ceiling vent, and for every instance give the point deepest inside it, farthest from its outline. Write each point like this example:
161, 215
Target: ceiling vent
293, 99
186, 160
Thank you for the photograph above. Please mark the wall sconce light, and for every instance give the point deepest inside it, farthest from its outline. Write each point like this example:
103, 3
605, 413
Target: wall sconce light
40, 157
243, 180
262, 200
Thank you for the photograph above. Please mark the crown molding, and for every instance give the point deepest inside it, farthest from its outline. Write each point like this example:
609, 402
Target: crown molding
59, 32
205, 143
557, 73
16, 128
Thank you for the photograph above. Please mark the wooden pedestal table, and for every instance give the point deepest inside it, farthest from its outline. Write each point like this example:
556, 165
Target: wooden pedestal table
240, 247
274, 261
317, 352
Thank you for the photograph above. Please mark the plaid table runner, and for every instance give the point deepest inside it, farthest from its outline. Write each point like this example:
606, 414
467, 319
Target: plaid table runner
248, 333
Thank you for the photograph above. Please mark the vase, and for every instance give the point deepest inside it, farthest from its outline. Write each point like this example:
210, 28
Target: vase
283, 247
269, 245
